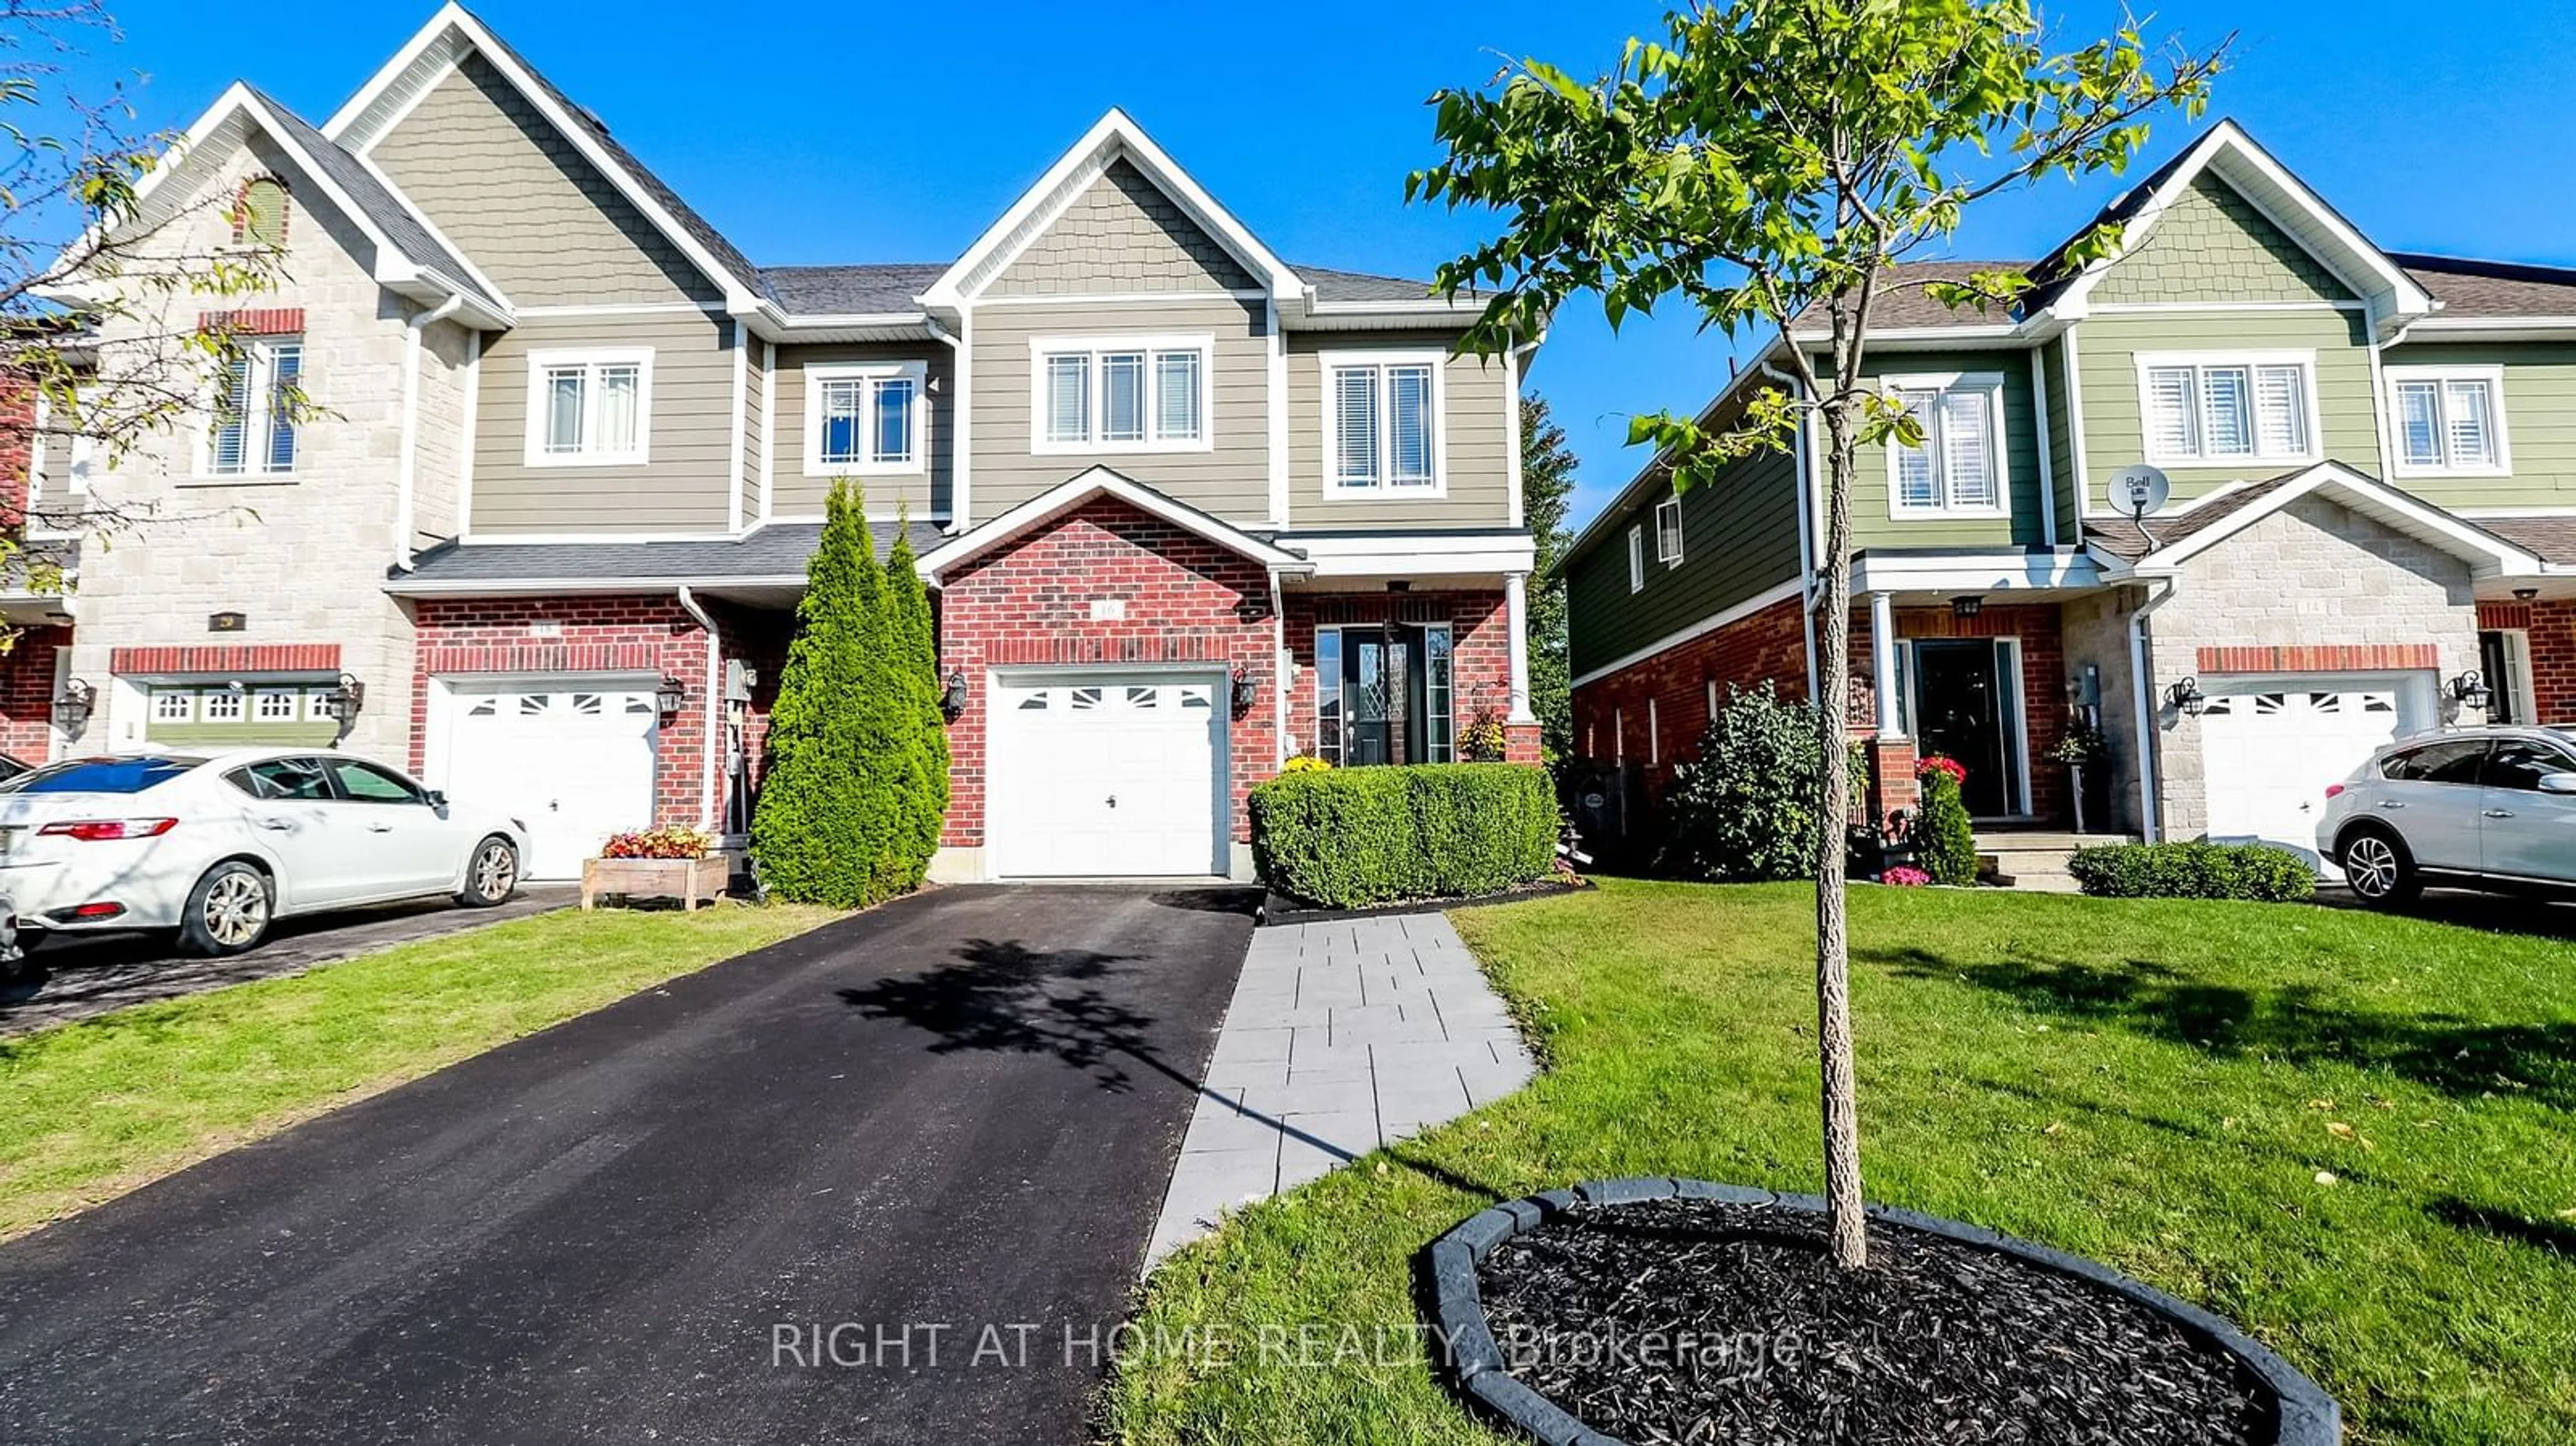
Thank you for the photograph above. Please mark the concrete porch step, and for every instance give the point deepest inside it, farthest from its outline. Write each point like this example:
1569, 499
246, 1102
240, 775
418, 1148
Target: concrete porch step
2036, 861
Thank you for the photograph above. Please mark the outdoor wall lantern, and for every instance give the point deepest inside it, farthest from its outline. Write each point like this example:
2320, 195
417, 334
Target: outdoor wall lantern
73, 709
2187, 698
1966, 605
671, 696
952, 697
2525, 594
1247, 691
346, 697
2471, 690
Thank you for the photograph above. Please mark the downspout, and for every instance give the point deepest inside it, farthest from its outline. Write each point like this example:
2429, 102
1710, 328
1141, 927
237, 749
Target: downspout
960, 467
2146, 705
407, 464
1806, 539
715, 730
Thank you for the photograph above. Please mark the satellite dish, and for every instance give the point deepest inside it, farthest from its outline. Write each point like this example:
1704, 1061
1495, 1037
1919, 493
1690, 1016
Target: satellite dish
2141, 490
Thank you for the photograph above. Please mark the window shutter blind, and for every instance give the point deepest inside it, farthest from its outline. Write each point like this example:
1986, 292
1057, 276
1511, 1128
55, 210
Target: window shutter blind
1355, 426
1968, 448
1409, 390
2419, 423
286, 366
2173, 425
1917, 482
2228, 412
2467, 426
232, 418
563, 409
1122, 397
1176, 396
2281, 412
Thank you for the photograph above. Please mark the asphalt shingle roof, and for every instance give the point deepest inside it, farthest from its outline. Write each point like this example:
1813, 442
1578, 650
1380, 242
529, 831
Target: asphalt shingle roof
2121, 538
2552, 539
386, 214
778, 550
850, 290
2492, 288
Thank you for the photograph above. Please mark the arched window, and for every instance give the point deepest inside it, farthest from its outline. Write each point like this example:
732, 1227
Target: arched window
259, 219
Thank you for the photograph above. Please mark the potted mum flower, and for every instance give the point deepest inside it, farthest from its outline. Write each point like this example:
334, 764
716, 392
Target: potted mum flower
664, 863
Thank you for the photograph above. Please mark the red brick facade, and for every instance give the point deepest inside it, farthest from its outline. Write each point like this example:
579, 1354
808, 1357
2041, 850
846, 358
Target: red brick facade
1480, 658
1669, 692
27, 692
2323, 658
227, 658
2549, 630
2043, 680
1030, 602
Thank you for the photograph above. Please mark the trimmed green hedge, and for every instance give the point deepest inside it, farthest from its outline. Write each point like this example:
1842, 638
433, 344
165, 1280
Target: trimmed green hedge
1345, 838
2193, 871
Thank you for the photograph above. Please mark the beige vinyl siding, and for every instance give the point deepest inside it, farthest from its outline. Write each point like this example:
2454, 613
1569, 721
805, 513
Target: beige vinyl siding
2211, 244
524, 205
1739, 539
1122, 235
1230, 479
684, 487
1478, 420
2114, 433
753, 414
926, 494
2539, 422
2061, 441
1872, 523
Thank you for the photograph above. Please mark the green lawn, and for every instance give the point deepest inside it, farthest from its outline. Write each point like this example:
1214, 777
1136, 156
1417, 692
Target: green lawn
98, 1107
2158, 1085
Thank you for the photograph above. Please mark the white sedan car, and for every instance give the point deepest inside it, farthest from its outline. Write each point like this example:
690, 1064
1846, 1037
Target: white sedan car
218, 845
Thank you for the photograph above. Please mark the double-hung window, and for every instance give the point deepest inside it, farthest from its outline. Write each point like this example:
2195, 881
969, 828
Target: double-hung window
1668, 532
255, 392
2218, 411
590, 408
863, 418
1957, 469
2449, 420
1121, 394
1382, 422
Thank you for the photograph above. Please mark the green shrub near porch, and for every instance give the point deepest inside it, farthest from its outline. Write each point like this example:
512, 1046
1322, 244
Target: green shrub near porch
2193, 871
1350, 837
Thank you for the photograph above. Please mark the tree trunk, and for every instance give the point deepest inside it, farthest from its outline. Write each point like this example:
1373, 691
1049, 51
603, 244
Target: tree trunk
1843, 1197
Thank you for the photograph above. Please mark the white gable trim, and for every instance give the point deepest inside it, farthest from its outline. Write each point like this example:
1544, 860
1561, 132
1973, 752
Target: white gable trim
2287, 202
432, 47
1102, 482
2487, 554
1110, 138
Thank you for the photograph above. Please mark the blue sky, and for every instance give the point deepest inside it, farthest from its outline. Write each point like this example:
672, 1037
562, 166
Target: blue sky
812, 131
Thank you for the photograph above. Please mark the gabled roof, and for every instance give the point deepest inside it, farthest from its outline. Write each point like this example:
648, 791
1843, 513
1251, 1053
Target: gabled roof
1113, 137
434, 47
1103, 482
408, 232
2221, 516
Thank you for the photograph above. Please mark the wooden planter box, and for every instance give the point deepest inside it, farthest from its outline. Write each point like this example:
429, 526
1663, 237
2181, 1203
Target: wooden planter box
688, 880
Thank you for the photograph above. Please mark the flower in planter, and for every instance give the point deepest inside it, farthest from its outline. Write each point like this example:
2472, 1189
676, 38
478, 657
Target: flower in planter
2081, 746
1904, 877
1303, 763
1938, 763
658, 843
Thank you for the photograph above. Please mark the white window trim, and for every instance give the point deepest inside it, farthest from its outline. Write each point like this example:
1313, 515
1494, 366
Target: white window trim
2492, 376
1043, 347
1990, 383
817, 375
1636, 557
2305, 361
539, 362
1332, 361
1673, 507
263, 366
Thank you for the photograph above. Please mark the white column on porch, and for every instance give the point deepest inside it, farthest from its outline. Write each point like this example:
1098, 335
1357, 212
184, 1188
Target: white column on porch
1882, 661
1516, 613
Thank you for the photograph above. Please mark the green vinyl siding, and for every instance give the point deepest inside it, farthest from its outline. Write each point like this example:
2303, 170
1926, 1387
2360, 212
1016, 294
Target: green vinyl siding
2107, 347
1873, 524
2211, 244
2539, 423
1739, 539
2061, 441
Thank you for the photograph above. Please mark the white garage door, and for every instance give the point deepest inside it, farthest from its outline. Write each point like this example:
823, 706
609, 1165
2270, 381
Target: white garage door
572, 758
1097, 774
2271, 747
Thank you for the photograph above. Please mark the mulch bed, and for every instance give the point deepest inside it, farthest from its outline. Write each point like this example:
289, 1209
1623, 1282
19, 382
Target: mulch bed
1718, 1324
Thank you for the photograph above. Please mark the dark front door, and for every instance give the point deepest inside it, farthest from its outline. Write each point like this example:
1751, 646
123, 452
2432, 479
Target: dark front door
1374, 694
1958, 687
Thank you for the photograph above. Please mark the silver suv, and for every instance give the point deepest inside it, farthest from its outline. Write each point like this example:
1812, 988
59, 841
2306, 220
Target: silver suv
2480, 808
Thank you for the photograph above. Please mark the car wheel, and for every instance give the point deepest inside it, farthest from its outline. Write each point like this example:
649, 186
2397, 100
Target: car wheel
491, 875
2378, 869
229, 911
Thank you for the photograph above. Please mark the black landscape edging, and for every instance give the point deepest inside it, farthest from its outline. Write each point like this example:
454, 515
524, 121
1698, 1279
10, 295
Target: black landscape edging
1279, 908
2308, 1416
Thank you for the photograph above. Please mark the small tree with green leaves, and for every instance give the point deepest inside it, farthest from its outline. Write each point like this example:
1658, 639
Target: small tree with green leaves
1768, 161
1745, 809
917, 790
820, 831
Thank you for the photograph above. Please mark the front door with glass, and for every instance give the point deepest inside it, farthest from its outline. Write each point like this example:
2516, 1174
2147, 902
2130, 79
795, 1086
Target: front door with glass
1383, 695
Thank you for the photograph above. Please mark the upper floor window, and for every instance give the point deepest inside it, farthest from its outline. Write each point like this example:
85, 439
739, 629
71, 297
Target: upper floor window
1382, 422
1958, 468
2219, 410
1121, 394
589, 408
255, 398
259, 212
1637, 558
864, 418
2449, 420
1668, 532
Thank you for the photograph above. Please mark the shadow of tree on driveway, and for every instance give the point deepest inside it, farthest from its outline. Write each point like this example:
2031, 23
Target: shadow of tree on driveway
1006, 997
2298, 1023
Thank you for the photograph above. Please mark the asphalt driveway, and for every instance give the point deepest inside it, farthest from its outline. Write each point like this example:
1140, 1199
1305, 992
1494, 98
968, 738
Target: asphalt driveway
886, 1182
